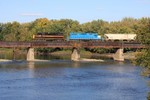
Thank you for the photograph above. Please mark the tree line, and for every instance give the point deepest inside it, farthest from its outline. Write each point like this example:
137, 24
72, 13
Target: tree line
15, 31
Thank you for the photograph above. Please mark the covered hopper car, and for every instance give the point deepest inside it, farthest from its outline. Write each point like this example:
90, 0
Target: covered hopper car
120, 37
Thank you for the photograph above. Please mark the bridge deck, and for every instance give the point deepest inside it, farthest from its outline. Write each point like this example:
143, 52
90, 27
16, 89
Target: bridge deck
71, 44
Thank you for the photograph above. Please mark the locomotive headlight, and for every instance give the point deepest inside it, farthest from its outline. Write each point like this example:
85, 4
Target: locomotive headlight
99, 37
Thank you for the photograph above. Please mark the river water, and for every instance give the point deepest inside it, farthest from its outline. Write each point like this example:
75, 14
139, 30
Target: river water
67, 80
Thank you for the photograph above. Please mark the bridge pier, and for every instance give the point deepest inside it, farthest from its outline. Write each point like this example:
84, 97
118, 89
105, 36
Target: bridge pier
75, 56
30, 54
14, 53
118, 56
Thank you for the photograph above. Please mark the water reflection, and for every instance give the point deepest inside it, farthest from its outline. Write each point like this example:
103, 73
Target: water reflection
76, 64
46, 69
31, 65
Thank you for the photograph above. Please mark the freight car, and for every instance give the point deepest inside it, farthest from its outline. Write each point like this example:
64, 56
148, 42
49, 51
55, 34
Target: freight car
120, 37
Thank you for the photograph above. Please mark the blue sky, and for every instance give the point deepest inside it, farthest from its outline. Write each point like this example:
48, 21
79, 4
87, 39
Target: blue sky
80, 10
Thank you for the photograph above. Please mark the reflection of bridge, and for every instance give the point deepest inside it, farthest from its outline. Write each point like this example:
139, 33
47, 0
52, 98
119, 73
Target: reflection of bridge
73, 44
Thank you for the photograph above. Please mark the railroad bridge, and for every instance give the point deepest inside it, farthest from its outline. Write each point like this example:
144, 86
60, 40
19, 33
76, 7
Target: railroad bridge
75, 45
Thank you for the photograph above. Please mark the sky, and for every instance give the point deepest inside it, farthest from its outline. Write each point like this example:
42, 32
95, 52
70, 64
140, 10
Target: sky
80, 10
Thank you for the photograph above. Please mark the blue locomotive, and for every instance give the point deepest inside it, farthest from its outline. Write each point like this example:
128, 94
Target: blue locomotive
84, 36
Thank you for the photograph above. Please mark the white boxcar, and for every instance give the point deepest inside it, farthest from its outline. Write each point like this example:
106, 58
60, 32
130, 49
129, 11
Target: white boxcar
117, 37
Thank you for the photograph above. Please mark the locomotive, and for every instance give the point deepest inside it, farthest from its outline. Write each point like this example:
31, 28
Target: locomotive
84, 37
48, 37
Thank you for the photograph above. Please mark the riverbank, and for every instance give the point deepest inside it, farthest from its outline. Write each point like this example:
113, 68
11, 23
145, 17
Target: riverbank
84, 54
4, 60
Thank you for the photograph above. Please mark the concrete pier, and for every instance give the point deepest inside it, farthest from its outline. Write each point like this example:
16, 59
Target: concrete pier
75, 56
118, 56
14, 53
30, 54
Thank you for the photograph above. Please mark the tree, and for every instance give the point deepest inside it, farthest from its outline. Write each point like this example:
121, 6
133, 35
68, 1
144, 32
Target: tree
11, 31
25, 33
69, 26
143, 58
144, 30
1, 28
40, 25
98, 26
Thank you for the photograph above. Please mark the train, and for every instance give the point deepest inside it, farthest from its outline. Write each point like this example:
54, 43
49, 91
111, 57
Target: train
74, 36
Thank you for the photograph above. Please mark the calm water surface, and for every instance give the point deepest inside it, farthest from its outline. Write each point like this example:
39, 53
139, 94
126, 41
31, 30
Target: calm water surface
66, 80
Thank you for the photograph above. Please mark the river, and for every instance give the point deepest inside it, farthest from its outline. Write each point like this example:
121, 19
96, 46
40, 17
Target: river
67, 80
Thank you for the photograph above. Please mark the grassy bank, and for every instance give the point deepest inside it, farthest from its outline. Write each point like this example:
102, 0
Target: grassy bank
8, 53
5, 50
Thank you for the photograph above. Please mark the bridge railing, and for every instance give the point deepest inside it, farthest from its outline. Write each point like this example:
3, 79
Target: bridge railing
15, 44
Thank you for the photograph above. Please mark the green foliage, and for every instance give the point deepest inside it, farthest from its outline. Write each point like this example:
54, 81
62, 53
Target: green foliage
99, 50
143, 58
1, 28
143, 32
41, 25
99, 26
